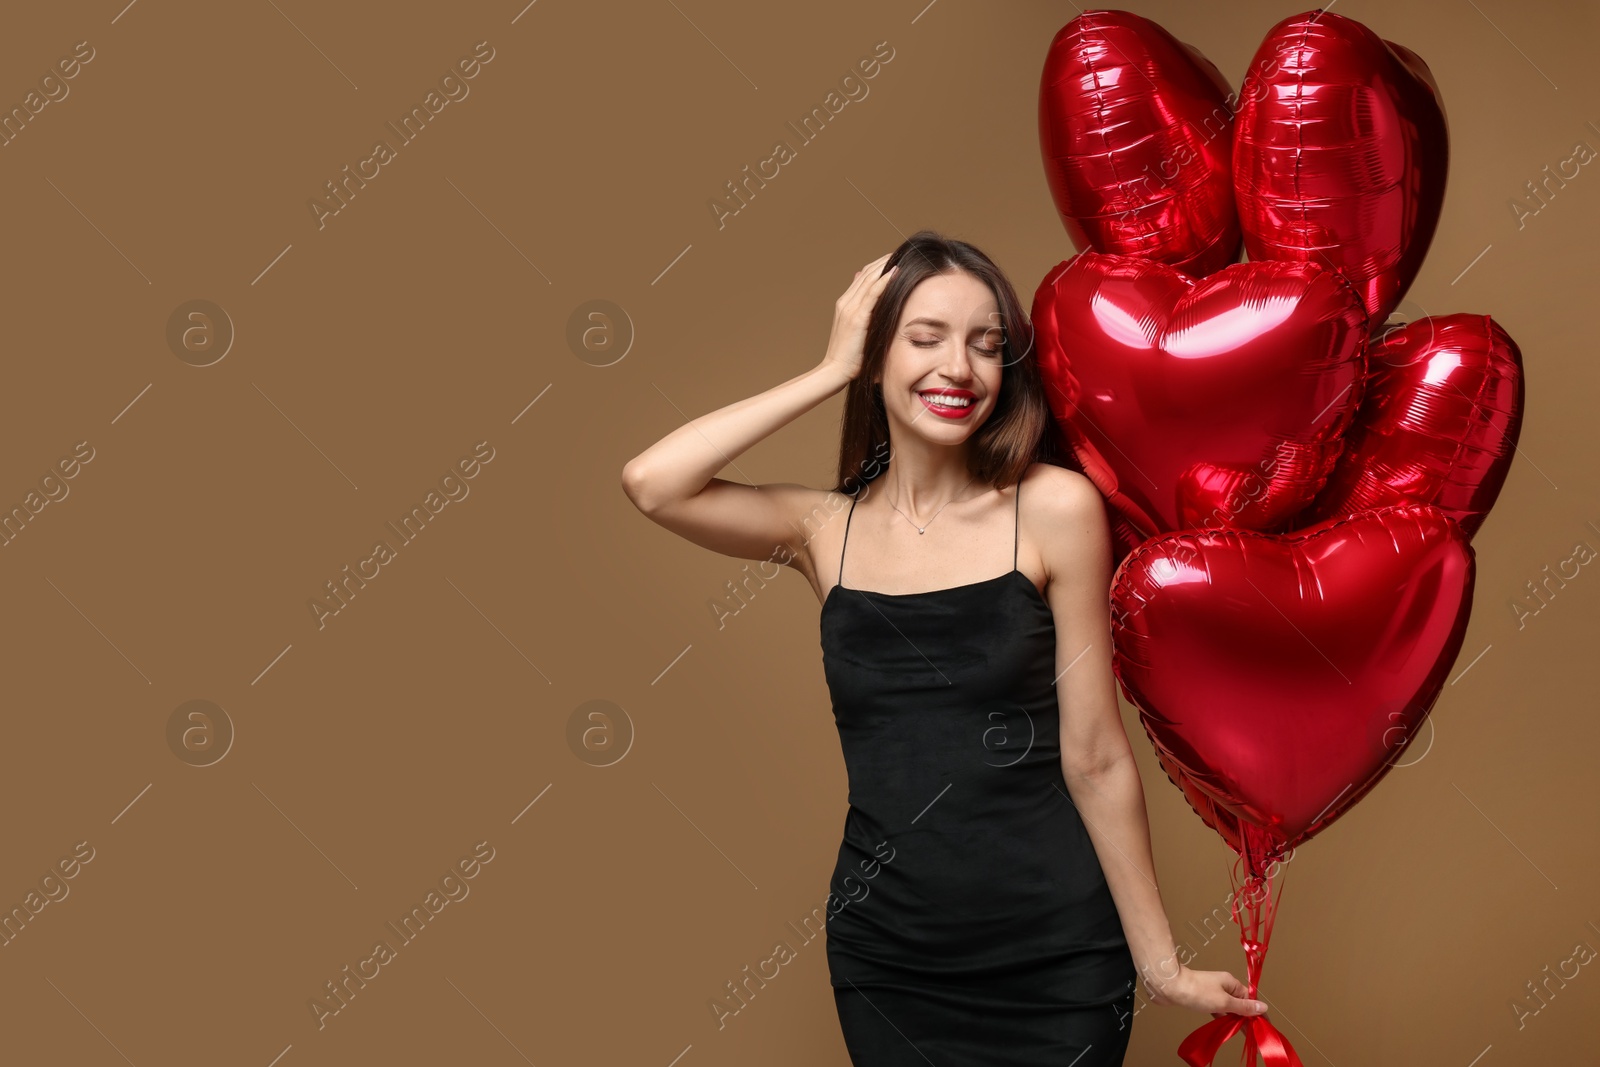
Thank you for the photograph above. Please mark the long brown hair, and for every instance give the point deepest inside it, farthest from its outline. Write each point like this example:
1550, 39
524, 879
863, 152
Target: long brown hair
1021, 430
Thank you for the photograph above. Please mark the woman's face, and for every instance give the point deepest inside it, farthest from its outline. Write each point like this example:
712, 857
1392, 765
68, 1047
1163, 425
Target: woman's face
947, 347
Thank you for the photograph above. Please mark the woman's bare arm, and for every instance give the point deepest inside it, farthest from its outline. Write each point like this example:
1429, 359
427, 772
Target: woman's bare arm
1097, 761
674, 480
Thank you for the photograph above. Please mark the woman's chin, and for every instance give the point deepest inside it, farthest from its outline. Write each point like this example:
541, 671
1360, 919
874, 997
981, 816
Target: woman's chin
935, 429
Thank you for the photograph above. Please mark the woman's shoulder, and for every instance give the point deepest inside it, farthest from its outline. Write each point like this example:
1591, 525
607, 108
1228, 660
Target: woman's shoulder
1059, 486
1069, 515
813, 516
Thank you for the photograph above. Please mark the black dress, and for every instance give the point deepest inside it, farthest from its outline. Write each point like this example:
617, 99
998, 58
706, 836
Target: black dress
969, 921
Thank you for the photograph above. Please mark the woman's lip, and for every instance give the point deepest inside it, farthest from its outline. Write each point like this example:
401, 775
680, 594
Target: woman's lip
947, 412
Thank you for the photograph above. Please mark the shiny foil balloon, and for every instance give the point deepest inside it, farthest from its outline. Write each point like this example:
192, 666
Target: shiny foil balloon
1440, 414
1136, 130
1340, 153
1282, 675
1216, 402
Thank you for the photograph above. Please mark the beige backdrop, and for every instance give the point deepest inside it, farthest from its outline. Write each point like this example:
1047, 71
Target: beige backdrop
247, 791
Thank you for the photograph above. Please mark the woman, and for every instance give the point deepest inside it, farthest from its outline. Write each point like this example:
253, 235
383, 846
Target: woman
994, 894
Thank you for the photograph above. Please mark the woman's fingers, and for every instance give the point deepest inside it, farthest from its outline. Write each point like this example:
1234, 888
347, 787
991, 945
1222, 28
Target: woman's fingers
863, 279
1244, 1007
1239, 1001
868, 273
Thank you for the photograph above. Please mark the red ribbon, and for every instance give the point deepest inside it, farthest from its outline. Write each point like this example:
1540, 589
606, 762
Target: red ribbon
1254, 908
1260, 1038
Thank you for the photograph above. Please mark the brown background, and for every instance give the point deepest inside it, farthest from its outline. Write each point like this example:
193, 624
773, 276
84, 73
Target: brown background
373, 752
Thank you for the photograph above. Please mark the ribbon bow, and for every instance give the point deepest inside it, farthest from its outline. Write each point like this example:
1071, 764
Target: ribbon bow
1260, 1038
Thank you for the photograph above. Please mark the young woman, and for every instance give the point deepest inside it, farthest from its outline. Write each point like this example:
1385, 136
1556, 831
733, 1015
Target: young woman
994, 805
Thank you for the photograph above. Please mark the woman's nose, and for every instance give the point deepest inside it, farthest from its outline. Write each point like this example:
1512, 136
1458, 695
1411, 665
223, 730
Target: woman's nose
957, 364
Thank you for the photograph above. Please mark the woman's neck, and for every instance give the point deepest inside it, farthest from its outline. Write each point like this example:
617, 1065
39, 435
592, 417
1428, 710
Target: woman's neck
922, 490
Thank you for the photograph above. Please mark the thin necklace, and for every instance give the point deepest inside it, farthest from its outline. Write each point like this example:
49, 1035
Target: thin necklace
924, 527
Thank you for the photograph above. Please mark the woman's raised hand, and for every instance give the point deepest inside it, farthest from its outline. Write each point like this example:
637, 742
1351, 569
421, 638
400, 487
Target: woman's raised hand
851, 312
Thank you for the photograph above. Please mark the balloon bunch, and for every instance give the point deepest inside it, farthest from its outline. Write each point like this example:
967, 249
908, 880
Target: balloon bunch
1293, 483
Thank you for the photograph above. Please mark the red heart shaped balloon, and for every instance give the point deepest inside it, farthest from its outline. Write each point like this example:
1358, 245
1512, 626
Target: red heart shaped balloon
1136, 130
1440, 414
1281, 675
1199, 403
1340, 154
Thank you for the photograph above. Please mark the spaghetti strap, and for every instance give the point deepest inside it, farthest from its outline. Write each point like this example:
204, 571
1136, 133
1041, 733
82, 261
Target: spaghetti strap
846, 540
1016, 535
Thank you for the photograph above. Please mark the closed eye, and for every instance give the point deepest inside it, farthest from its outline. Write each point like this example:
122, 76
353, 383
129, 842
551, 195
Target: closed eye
975, 348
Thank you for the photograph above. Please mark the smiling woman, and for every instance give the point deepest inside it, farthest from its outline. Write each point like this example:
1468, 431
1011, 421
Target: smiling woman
1003, 923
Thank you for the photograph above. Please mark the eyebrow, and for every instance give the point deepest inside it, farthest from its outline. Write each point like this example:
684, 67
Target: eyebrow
942, 324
